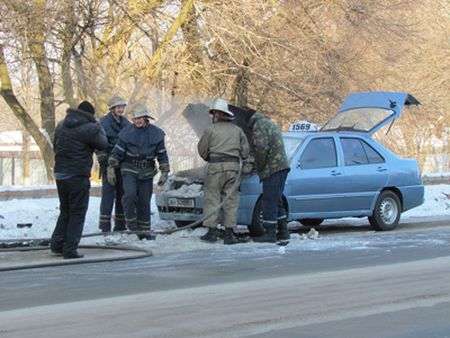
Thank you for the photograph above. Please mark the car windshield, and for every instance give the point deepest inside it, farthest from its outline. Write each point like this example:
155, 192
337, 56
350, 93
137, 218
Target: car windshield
291, 144
358, 119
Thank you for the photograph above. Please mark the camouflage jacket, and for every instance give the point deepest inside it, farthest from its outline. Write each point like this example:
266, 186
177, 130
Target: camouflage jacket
268, 146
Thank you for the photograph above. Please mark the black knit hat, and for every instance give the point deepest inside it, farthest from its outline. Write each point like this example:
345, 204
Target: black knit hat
87, 107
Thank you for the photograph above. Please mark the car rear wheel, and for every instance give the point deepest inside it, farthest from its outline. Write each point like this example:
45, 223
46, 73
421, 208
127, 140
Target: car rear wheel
387, 212
311, 222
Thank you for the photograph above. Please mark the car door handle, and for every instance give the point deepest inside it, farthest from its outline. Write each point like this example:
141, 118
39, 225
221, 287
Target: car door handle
336, 173
381, 169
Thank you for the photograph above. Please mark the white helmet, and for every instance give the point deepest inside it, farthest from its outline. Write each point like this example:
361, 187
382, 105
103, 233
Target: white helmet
116, 101
221, 105
140, 110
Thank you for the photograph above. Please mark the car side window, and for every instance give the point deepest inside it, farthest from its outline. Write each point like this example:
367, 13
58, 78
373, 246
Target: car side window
319, 153
372, 154
354, 153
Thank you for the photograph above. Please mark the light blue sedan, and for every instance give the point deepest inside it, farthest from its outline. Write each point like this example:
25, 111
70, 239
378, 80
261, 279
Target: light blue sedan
339, 171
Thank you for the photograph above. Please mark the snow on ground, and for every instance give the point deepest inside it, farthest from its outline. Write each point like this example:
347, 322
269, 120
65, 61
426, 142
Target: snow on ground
5, 188
43, 213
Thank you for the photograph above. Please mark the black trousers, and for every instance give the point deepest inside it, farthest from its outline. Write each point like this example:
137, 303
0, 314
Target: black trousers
272, 202
111, 196
136, 201
73, 196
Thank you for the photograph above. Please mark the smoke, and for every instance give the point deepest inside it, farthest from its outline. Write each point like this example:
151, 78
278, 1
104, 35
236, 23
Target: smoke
182, 118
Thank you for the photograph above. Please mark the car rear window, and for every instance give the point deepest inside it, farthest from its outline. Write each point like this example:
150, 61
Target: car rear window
354, 153
358, 119
358, 152
372, 154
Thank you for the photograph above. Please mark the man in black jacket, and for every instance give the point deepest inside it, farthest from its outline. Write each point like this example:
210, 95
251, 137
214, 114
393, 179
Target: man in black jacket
76, 138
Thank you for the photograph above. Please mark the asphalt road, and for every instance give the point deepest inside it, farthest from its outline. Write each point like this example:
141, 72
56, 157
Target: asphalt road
397, 285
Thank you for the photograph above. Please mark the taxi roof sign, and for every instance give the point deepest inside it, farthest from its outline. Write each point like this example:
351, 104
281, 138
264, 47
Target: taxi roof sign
303, 126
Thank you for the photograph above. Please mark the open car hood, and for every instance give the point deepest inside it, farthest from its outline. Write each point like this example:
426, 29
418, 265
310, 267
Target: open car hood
369, 111
197, 115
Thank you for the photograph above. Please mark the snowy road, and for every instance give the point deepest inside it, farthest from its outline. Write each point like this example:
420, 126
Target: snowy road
394, 284
258, 307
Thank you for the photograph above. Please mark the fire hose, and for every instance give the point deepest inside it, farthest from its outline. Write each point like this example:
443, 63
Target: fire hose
188, 226
8, 244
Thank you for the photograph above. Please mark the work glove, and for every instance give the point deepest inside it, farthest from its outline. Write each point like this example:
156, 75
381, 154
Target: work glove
111, 175
163, 178
247, 167
102, 159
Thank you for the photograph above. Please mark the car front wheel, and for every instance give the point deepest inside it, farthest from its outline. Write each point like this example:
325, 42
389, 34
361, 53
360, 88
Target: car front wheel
181, 224
387, 212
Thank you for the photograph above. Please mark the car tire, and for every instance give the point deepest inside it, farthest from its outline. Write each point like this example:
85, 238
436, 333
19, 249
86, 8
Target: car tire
181, 224
254, 228
311, 222
386, 214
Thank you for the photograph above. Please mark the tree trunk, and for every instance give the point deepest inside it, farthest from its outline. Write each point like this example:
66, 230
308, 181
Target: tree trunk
81, 74
36, 45
68, 37
25, 158
6, 91
240, 90
193, 42
152, 68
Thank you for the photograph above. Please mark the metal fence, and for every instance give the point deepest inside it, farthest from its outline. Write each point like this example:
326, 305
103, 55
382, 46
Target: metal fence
11, 172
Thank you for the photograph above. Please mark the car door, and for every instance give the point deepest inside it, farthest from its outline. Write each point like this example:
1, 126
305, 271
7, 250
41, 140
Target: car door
314, 181
364, 174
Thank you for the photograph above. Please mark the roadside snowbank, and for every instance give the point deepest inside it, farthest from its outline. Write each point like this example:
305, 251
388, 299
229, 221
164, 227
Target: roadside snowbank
43, 213
437, 202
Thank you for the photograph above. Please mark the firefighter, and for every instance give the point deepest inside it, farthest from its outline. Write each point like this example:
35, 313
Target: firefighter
223, 145
135, 152
112, 123
76, 138
272, 167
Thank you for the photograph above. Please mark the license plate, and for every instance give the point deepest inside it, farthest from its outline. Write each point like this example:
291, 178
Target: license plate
181, 202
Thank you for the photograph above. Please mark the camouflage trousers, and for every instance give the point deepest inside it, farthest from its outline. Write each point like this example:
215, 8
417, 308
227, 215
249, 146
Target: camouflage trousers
219, 183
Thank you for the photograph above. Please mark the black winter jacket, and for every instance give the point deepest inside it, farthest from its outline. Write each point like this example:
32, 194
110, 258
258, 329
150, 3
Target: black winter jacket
76, 138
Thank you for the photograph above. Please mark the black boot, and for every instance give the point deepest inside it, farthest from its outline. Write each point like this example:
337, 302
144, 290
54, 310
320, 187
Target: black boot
283, 231
105, 223
144, 229
56, 249
119, 223
73, 255
229, 237
132, 225
57, 252
210, 236
146, 235
271, 234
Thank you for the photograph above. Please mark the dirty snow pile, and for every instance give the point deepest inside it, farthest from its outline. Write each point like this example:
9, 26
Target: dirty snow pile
187, 190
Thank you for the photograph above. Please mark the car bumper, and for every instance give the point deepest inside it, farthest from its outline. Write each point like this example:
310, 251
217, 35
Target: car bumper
413, 196
179, 216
